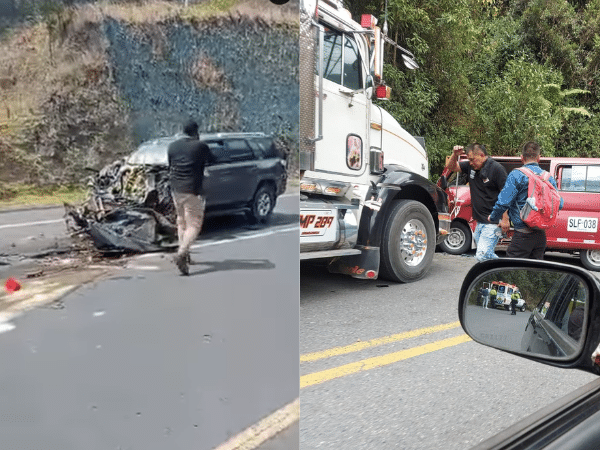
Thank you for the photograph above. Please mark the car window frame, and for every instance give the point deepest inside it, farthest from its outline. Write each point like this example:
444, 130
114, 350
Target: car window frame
235, 158
561, 169
220, 158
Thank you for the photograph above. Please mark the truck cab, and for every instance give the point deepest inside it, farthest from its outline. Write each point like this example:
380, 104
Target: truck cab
366, 203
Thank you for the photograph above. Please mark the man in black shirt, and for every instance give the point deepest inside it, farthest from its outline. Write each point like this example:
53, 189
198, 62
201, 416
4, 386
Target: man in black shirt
486, 179
187, 157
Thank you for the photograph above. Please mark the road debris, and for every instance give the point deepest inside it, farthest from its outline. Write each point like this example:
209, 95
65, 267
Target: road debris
12, 285
129, 210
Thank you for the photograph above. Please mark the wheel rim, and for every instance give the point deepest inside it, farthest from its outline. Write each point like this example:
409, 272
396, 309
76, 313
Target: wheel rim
594, 257
413, 242
455, 239
263, 204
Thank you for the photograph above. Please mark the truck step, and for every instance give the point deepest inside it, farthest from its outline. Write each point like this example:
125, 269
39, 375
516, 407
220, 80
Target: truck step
329, 253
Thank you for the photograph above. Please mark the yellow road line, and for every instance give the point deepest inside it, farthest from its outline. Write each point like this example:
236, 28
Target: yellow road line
374, 342
268, 427
378, 361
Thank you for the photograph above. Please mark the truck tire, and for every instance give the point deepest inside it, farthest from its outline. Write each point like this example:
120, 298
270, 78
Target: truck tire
590, 259
408, 242
458, 240
262, 204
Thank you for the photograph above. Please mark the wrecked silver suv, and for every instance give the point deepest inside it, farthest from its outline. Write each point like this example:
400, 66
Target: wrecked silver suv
245, 174
130, 206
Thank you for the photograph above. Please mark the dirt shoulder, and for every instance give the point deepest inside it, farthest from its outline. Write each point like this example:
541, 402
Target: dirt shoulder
44, 281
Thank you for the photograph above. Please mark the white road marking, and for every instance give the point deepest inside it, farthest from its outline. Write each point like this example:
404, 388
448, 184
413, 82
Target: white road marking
142, 267
232, 239
265, 429
246, 237
6, 326
30, 224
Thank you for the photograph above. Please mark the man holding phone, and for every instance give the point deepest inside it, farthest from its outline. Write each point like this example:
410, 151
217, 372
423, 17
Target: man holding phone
486, 179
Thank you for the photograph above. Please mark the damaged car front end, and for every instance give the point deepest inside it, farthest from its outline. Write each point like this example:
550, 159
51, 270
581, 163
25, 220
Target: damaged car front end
129, 208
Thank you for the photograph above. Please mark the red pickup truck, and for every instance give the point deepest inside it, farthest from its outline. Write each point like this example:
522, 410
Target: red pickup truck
576, 230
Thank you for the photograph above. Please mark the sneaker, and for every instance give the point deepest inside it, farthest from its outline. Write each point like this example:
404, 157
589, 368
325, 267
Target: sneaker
182, 264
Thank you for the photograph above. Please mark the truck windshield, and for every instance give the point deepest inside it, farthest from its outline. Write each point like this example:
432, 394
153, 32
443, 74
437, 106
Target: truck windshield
341, 59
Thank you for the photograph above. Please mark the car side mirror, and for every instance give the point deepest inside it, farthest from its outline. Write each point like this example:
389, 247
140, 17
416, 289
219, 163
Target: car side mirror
541, 310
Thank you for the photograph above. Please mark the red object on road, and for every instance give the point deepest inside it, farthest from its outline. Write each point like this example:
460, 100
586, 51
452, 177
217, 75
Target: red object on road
12, 285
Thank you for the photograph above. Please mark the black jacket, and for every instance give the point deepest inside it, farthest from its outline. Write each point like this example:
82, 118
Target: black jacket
187, 158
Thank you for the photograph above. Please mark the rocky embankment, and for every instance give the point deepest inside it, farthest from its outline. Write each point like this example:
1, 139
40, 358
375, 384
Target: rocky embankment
83, 93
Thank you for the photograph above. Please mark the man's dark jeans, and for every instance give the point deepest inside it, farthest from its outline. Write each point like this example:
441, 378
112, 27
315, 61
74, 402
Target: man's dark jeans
527, 245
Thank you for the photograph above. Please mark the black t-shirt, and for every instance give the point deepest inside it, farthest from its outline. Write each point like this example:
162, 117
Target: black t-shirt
187, 157
485, 185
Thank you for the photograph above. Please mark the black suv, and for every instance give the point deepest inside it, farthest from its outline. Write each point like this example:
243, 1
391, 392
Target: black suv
247, 171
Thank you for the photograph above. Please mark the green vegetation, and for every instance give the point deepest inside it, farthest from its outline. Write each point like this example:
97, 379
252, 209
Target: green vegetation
60, 112
495, 72
30, 195
532, 284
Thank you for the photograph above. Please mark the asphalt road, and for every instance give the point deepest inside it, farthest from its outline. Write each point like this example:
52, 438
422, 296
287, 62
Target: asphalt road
28, 232
149, 359
387, 366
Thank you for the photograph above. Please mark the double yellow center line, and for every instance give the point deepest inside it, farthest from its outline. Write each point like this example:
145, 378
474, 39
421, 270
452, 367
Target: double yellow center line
377, 361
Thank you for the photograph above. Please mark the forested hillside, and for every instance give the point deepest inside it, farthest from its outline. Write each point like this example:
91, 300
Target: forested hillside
496, 72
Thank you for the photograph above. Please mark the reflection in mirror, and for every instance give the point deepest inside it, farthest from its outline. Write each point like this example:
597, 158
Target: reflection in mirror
528, 311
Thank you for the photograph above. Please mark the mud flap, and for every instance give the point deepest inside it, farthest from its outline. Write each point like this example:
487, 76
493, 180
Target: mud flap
365, 265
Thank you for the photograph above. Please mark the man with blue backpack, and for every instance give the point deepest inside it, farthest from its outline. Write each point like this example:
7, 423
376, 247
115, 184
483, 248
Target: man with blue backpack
531, 197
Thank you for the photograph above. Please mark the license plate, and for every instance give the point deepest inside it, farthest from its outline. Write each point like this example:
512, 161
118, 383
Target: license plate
582, 224
315, 223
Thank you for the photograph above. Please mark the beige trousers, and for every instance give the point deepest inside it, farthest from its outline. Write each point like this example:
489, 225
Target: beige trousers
190, 216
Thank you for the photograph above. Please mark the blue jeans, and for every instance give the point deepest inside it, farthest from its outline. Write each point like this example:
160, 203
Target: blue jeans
486, 237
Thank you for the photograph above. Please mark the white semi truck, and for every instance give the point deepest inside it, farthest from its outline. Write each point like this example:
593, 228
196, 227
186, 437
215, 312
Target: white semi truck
366, 204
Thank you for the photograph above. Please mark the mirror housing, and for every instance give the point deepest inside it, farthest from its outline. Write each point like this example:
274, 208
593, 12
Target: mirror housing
443, 182
574, 356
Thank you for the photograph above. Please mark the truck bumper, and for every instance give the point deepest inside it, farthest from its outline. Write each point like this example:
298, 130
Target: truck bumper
327, 226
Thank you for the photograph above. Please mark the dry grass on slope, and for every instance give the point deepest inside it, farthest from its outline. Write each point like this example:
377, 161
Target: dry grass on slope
159, 11
54, 74
68, 52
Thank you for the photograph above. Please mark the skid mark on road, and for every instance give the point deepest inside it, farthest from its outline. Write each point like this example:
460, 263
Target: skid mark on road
357, 346
379, 361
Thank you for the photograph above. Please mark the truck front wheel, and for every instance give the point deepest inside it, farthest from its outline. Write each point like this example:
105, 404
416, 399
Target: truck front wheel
408, 242
590, 259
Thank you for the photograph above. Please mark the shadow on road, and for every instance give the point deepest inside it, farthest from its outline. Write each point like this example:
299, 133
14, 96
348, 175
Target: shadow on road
231, 264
